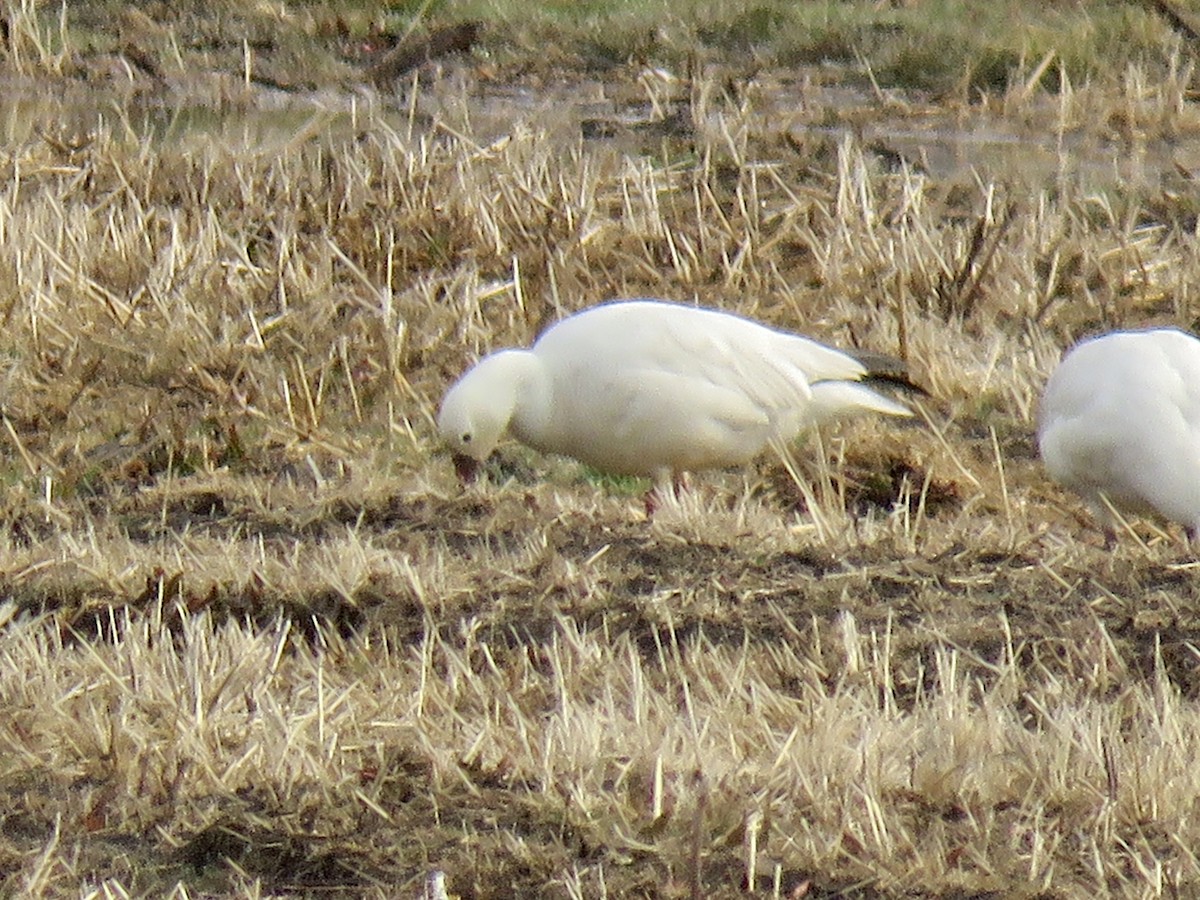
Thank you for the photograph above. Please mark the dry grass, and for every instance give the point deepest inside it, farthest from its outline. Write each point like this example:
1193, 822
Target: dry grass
257, 642
217, 50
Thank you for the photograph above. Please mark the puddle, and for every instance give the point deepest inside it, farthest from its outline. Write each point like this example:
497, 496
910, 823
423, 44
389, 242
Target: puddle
632, 114
993, 151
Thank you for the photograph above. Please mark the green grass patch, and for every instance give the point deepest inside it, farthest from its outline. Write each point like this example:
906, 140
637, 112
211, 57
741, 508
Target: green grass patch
937, 45
620, 485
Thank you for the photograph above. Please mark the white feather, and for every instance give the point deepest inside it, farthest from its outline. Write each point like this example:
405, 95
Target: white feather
645, 387
1120, 419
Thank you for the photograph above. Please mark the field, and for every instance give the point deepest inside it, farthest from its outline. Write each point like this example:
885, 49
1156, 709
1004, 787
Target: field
256, 640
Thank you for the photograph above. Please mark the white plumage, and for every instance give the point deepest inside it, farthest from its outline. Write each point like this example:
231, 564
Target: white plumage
1120, 419
645, 387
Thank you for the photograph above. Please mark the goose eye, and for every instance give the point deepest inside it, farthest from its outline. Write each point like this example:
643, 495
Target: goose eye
466, 438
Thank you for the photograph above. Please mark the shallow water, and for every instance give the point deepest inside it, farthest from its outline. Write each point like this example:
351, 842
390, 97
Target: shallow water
633, 115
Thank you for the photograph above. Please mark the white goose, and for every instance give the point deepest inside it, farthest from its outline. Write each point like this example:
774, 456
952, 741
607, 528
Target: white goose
1120, 420
650, 388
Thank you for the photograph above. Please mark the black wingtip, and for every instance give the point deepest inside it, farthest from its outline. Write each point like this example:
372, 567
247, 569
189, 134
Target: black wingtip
887, 370
896, 380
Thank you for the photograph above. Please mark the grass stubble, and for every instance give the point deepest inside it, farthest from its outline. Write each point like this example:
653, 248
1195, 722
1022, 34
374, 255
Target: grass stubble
256, 641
